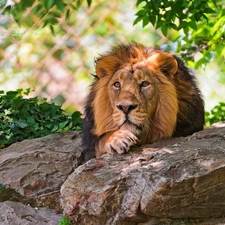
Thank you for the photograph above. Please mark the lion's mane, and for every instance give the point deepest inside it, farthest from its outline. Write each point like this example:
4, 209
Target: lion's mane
179, 110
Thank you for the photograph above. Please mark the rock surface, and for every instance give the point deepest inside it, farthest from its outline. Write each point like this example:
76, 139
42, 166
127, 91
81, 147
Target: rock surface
14, 213
36, 169
40, 166
175, 181
172, 179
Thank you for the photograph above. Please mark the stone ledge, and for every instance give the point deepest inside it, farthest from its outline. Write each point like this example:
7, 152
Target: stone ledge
175, 179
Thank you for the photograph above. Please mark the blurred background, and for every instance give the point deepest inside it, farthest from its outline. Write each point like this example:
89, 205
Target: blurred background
57, 62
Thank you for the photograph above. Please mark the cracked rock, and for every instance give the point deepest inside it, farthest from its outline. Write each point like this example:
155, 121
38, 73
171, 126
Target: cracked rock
172, 179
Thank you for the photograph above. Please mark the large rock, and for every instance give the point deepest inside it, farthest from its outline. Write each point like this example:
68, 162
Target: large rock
174, 179
40, 166
14, 213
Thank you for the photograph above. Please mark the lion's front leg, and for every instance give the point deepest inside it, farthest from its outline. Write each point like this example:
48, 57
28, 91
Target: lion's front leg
118, 141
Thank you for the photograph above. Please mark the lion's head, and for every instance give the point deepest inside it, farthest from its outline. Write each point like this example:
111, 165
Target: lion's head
134, 93
144, 92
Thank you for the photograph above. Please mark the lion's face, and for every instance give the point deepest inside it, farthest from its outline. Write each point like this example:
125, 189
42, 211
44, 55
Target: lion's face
135, 95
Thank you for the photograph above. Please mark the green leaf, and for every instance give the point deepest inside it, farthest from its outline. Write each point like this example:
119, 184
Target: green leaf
49, 4
89, 2
62, 124
21, 124
60, 5
164, 30
141, 12
209, 10
52, 29
152, 19
27, 91
2, 3
67, 14
76, 116
199, 63
193, 24
197, 16
12, 94
173, 26
31, 120
139, 2
138, 19
145, 21
218, 24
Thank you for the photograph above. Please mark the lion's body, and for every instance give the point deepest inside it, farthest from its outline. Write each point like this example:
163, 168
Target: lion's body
140, 96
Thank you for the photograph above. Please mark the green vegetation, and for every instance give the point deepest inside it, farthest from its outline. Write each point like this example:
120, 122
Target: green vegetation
65, 221
49, 11
2, 186
200, 25
216, 114
26, 118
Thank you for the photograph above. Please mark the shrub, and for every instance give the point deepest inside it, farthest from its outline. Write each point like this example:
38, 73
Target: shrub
216, 114
26, 118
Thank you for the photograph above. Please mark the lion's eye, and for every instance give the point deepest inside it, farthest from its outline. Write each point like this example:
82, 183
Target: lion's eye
145, 83
116, 85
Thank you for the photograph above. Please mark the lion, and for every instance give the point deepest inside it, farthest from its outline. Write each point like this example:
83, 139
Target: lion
140, 95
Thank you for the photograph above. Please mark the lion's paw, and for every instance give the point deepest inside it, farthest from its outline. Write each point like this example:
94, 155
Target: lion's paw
120, 141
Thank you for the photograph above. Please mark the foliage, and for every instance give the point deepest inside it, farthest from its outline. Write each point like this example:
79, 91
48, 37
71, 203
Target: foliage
2, 186
65, 221
26, 118
200, 23
164, 14
48, 11
216, 114
201, 26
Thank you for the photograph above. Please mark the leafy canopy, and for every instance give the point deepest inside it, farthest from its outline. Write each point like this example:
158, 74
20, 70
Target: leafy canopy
48, 12
200, 24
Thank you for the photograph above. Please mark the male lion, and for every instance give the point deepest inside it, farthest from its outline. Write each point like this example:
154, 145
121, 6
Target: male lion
140, 95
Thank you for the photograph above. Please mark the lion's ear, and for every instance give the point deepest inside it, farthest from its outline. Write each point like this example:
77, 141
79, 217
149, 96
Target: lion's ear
107, 66
163, 61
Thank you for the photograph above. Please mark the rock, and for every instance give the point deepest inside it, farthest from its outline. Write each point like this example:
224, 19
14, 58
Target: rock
172, 179
14, 213
36, 169
40, 166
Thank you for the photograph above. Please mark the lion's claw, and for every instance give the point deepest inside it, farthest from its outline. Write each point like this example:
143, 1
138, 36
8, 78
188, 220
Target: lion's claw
120, 141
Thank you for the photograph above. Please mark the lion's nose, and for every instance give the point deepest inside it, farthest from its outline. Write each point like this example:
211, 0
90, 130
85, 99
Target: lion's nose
126, 108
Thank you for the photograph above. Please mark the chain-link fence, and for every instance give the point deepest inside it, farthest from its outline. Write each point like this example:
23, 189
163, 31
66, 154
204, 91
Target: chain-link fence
59, 65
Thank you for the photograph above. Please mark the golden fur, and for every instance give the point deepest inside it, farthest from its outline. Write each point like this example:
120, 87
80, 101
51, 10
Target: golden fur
138, 98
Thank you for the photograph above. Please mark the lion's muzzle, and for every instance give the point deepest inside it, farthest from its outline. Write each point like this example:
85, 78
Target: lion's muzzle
126, 108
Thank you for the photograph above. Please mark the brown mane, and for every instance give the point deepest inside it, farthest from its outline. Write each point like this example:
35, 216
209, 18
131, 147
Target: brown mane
178, 109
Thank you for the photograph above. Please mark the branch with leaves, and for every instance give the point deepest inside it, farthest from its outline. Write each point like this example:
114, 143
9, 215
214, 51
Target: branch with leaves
200, 25
47, 11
